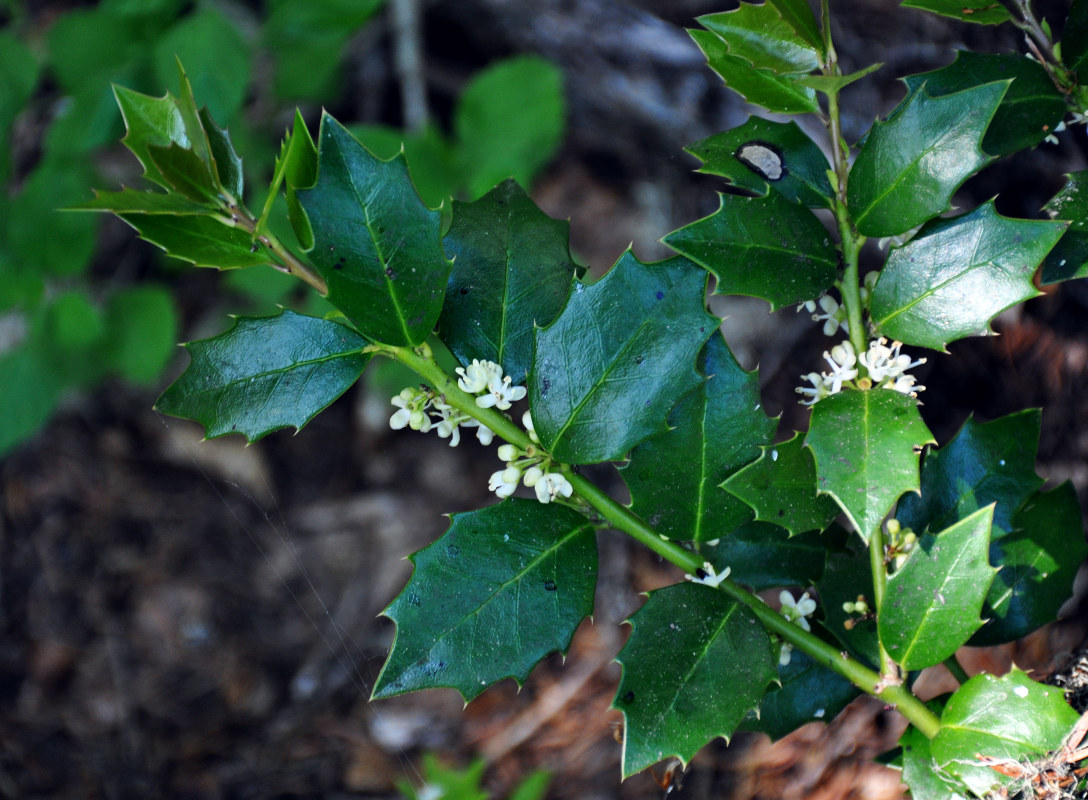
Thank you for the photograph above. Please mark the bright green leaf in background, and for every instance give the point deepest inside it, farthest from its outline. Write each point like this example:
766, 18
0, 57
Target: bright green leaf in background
1030, 110
932, 603
265, 373
762, 154
696, 662
1068, 259
609, 369
375, 243
512, 272
721, 421
502, 588
911, 164
762, 247
780, 486
866, 445
956, 274
20, 70
1011, 717
141, 331
983, 12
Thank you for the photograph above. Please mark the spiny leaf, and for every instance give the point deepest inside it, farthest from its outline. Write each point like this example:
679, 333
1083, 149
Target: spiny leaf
203, 240
781, 487
132, 201
763, 556
265, 373
512, 272
296, 168
715, 429
375, 243
763, 247
955, 275
760, 35
866, 445
911, 164
982, 12
696, 662
762, 154
1068, 259
932, 603
614, 362
502, 588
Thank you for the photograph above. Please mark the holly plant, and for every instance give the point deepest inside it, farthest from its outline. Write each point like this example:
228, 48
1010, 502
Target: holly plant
884, 552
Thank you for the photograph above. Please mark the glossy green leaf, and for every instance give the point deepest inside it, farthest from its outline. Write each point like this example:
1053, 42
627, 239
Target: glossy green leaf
1029, 111
227, 164
375, 243
1068, 259
848, 576
202, 240
296, 168
982, 12
763, 247
763, 556
494, 143
184, 172
780, 486
989, 462
133, 201
798, 13
502, 588
956, 274
512, 272
920, 770
780, 94
760, 35
696, 662
265, 373
809, 692
1011, 717
831, 84
762, 154
932, 602
912, 163
1039, 560
866, 446
612, 365
1074, 44
715, 429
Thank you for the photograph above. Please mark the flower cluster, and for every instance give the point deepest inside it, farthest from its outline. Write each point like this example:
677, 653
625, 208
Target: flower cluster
529, 467
796, 611
485, 378
421, 410
885, 367
833, 315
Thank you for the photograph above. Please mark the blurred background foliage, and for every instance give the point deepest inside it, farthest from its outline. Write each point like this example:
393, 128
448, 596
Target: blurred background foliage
77, 309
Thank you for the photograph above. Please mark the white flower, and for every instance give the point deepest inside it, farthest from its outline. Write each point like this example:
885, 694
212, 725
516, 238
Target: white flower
710, 577
477, 375
887, 366
501, 393
818, 391
797, 610
834, 316
841, 358
550, 486
500, 486
784, 654
527, 423
484, 435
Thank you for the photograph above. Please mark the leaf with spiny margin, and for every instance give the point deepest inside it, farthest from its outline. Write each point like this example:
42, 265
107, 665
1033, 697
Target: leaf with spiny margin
780, 486
779, 94
265, 373
1074, 44
920, 771
932, 602
227, 162
848, 576
501, 589
296, 168
763, 247
911, 164
760, 35
1029, 111
1038, 561
202, 240
831, 84
762, 556
609, 369
803, 165
985, 462
714, 430
798, 13
376, 244
696, 662
955, 275
982, 12
866, 445
512, 271
810, 692
1068, 259
1011, 717
184, 172
134, 201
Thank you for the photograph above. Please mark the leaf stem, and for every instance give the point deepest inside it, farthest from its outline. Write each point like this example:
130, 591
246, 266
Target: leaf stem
290, 263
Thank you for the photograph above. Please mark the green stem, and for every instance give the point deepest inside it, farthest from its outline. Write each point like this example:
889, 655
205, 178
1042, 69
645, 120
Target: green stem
861, 676
289, 262
953, 665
